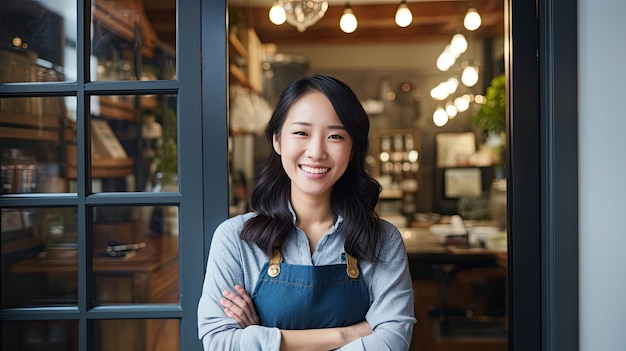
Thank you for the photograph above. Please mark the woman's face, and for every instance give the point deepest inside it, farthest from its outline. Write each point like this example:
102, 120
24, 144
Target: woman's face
315, 147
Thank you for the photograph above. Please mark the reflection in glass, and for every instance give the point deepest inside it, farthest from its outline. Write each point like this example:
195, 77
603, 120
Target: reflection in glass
125, 44
37, 41
137, 335
34, 132
136, 254
51, 335
39, 248
134, 148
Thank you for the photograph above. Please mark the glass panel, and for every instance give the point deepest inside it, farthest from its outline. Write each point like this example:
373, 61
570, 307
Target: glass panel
137, 335
39, 251
52, 335
33, 134
126, 44
136, 254
37, 41
134, 143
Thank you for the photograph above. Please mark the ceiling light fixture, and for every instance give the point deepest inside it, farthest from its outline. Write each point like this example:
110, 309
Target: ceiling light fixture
404, 17
472, 19
440, 117
469, 77
458, 44
277, 14
299, 13
348, 22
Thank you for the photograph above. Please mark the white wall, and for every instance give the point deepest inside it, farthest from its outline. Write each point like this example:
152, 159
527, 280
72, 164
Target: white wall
602, 148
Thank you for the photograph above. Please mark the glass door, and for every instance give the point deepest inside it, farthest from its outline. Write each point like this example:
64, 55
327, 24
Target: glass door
94, 232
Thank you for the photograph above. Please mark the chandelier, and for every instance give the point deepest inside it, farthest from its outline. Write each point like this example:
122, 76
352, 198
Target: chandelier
299, 13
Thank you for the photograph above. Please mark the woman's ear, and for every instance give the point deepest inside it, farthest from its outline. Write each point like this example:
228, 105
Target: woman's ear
276, 144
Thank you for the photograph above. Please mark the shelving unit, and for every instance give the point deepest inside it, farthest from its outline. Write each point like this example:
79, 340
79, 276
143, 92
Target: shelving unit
397, 154
247, 50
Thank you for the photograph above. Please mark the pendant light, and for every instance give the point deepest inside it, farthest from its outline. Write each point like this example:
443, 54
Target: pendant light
469, 77
440, 117
277, 14
472, 19
404, 17
458, 44
348, 22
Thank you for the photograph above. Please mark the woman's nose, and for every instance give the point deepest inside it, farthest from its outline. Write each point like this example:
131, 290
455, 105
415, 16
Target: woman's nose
316, 148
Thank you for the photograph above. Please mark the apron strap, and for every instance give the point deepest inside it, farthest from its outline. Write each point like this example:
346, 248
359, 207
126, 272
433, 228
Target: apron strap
352, 268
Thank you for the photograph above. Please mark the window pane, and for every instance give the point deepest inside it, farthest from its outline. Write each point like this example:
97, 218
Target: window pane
134, 143
137, 335
136, 254
39, 249
33, 135
40, 335
38, 41
126, 44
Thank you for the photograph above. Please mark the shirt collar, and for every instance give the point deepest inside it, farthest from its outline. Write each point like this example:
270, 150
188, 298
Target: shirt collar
336, 226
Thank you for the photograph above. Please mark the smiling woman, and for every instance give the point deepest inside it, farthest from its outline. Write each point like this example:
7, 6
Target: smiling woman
313, 267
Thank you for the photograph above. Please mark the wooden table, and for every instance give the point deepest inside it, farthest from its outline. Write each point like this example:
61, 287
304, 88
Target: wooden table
151, 275
429, 259
152, 271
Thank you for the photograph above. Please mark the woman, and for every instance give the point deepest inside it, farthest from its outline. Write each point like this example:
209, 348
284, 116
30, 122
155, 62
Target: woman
323, 270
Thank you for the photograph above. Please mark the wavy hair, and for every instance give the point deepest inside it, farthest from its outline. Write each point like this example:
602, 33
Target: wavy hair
354, 196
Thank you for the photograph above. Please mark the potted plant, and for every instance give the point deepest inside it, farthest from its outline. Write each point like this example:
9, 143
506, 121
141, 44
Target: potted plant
491, 119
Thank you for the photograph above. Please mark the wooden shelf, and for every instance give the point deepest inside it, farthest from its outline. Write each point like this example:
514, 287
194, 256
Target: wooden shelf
237, 74
30, 120
106, 168
119, 110
250, 50
237, 46
29, 134
106, 17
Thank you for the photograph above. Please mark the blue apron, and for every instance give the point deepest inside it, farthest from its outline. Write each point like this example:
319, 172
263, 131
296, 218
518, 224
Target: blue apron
298, 297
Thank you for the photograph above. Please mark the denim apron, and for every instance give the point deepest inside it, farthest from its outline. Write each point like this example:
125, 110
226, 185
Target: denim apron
294, 297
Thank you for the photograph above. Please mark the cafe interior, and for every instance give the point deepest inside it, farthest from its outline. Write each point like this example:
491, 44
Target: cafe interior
429, 74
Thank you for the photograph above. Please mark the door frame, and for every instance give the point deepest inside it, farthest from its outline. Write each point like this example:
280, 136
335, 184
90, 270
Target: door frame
542, 163
542, 160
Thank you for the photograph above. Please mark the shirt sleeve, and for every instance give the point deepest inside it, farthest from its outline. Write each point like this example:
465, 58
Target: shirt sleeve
391, 314
223, 271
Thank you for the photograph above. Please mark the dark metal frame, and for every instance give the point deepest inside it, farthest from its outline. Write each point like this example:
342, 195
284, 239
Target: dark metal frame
542, 164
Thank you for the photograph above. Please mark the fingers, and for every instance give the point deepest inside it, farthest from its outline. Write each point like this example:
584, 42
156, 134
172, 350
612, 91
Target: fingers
239, 306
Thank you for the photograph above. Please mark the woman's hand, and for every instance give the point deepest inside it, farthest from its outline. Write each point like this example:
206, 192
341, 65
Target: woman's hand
239, 306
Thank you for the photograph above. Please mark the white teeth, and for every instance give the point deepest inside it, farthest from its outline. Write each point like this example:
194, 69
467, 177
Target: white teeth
314, 170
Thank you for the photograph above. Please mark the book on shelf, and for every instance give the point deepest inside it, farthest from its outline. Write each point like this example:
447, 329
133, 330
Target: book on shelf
104, 142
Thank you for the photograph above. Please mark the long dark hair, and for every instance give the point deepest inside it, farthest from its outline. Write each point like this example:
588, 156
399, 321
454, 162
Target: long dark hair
354, 195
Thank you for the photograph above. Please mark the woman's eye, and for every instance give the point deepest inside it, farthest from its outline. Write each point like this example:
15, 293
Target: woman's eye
300, 133
336, 137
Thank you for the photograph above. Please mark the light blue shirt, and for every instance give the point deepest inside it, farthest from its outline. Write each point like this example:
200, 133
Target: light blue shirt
234, 261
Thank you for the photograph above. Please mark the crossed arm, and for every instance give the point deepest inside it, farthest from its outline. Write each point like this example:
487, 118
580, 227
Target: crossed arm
239, 306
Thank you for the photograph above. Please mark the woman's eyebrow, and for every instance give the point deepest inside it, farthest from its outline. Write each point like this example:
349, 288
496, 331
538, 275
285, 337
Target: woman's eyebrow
311, 124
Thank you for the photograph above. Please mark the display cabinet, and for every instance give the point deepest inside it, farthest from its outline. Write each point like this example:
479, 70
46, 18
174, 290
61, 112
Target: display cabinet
397, 157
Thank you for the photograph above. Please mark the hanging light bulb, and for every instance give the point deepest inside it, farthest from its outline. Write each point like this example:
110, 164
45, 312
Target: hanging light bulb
348, 22
469, 77
451, 85
458, 44
472, 19
404, 17
277, 15
445, 60
461, 104
451, 110
440, 117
